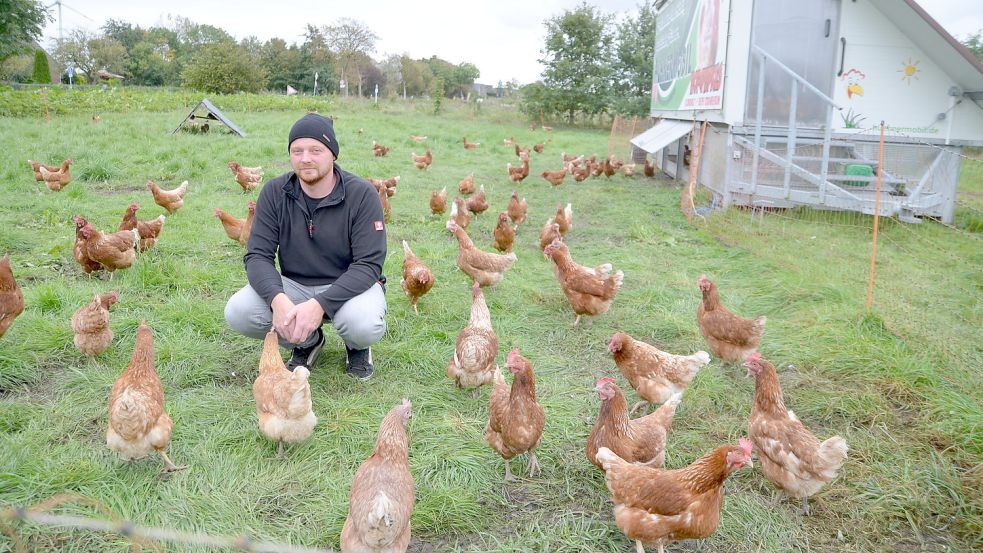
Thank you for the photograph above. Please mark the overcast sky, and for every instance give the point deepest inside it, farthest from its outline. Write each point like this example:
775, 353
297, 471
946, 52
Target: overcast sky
503, 38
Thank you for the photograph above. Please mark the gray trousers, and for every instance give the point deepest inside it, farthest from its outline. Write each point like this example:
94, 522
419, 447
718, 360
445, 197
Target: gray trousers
360, 322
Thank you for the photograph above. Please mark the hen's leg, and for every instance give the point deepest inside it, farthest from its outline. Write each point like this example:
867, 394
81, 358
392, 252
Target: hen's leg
533, 464
279, 451
636, 406
509, 477
576, 321
640, 549
168, 465
805, 506
415, 310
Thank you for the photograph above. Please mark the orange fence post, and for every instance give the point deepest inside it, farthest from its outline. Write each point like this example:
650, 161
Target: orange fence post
689, 189
614, 125
44, 100
877, 214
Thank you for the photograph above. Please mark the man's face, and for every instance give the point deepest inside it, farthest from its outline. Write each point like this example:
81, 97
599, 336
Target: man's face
311, 160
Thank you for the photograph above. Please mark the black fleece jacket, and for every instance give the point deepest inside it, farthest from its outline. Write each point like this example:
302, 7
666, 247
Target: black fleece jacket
343, 243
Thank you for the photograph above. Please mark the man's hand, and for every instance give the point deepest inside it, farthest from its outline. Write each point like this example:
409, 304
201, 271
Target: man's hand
302, 319
281, 306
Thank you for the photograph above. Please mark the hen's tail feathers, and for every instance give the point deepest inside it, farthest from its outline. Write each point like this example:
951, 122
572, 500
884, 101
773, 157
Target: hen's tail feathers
667, 410
673, 402
759, 323
379, 517
300, 374
619, 277
833, 451
499, 378
699, 359
406, 248
299, 404
608, 458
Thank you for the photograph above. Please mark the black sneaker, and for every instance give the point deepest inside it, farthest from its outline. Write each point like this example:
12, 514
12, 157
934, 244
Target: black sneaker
307, 357
359, 363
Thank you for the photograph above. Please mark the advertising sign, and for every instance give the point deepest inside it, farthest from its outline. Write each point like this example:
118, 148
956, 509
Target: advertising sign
690, 49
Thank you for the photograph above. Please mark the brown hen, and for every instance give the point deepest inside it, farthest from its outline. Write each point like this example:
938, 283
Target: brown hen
653, 505
138, 424
655, 375
515, 417
485, 268
11, 297
91, 325
642, 440
589, 291
149, 230
791, 456
171, 200
380, 504
473, 363
283, 398
730, 337
417, 277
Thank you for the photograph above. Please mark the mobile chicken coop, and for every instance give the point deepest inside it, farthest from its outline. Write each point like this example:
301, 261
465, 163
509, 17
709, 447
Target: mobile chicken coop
794, 92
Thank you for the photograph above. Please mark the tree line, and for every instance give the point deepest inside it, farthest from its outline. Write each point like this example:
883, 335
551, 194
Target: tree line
208, 58
594, 64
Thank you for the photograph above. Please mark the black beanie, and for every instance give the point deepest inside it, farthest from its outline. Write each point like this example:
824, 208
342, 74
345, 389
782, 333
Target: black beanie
317, 127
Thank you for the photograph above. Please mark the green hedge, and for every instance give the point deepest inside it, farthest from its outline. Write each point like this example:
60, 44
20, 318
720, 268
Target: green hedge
42, 73
62, 100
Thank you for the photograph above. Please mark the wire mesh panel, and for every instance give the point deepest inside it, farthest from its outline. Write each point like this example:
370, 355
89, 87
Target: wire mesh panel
623, 129
917, 179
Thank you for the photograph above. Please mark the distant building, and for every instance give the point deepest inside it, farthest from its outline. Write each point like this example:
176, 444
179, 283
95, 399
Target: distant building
485, 90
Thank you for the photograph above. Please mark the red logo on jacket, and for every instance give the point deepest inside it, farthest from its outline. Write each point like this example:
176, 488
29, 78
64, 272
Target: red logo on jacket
378, 225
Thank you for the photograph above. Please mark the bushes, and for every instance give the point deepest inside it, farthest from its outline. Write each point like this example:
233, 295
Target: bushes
42, 73
224, 68
87, 100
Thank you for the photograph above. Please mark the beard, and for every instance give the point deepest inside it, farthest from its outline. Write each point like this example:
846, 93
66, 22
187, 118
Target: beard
311, 176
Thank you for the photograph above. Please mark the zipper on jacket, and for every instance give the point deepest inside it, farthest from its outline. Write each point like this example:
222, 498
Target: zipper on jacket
310, 228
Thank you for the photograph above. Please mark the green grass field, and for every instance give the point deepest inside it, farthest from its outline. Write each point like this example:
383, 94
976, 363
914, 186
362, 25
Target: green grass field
901, 382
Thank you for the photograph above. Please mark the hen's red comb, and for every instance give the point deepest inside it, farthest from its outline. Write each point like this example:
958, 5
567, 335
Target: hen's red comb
746, 446
604, 380
754, 357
